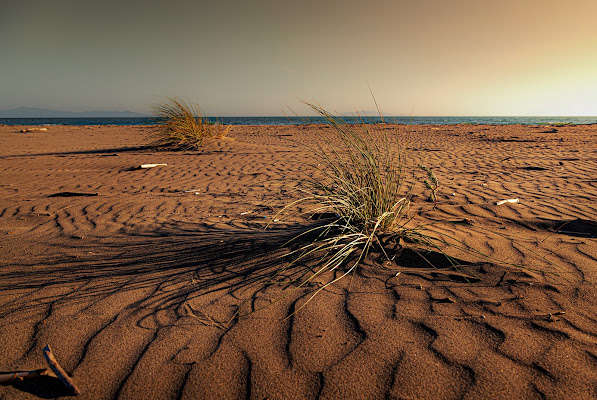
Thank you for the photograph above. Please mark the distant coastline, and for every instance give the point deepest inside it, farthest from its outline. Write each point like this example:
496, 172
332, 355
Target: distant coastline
145, 120
29, 112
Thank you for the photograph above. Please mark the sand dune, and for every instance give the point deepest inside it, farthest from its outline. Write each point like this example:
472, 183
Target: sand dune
133, 277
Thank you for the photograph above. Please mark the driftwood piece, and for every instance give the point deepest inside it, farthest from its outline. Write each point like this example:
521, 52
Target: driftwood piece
18, 376
144, 166
51, 360
511, 201
34, 130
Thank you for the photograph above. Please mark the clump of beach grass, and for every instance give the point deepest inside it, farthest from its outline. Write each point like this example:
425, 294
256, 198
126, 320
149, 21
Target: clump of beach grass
363, 179
182, 125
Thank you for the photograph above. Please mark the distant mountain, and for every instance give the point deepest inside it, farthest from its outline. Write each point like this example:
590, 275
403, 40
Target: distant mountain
28, 112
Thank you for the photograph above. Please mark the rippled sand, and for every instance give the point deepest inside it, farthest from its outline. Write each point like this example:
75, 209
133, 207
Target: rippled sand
132, 282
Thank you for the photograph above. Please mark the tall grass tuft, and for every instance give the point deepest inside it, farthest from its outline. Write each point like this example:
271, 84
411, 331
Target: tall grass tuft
364, 179
182, 125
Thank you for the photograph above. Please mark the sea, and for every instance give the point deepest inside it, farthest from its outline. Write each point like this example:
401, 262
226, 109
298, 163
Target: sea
294, 120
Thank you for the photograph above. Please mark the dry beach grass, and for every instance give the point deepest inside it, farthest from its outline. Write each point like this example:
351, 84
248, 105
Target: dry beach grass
182, 125
132, 287
361, 180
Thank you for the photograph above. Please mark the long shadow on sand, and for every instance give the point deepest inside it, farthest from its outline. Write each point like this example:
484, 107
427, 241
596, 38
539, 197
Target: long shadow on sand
110, 151
196, 260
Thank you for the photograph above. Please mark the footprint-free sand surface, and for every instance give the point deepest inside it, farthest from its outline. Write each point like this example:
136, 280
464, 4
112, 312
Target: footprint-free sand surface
133, 276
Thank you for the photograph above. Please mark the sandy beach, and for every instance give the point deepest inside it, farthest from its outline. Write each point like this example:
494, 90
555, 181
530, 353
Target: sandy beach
133, 276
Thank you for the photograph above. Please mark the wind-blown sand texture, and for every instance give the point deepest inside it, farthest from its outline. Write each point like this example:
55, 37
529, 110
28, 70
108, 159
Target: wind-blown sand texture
132, 284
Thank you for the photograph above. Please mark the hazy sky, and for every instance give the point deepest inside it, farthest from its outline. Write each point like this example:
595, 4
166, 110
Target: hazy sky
256, 57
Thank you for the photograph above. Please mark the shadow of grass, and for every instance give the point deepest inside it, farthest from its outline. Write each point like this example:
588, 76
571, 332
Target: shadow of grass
175, 264
196, 259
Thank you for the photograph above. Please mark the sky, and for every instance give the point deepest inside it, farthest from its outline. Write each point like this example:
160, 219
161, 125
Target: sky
259, 57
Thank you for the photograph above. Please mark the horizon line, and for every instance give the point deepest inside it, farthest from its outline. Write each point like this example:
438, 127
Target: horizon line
339, 114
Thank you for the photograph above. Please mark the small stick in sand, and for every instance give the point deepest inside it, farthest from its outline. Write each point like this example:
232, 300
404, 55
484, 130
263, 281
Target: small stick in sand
68, 382
144, 166
18, 376
513, 201
151, 165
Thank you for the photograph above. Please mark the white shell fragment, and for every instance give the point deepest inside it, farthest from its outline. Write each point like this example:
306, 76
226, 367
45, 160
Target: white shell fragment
512, 201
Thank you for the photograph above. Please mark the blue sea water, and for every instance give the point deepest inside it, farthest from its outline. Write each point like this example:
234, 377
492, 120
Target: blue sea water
312, 120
